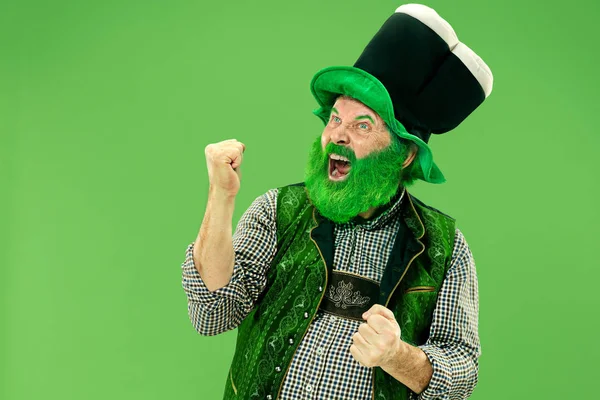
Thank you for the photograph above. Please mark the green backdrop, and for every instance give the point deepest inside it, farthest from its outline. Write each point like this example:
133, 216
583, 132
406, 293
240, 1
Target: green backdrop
106, 108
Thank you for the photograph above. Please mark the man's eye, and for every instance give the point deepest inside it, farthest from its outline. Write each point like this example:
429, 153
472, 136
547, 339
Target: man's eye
363, 126
336, 119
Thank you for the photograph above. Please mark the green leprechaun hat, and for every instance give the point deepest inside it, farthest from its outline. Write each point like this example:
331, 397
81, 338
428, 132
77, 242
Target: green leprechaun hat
416, 75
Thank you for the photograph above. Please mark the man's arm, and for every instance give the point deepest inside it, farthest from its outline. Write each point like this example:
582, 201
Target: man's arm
453, 347
213, 249
445, 367
222, 280
253, 247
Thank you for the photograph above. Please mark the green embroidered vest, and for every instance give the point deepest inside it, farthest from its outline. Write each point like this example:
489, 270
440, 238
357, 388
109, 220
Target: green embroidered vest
268, 337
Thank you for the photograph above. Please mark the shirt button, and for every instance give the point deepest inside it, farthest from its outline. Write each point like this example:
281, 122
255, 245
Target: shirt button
352, 259
320, 351
309, 388
305, 315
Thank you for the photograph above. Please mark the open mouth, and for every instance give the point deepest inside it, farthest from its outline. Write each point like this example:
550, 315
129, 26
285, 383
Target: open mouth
339, 167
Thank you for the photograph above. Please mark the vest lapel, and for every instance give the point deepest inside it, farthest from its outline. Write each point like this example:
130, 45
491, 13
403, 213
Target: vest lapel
322, 234
407, 246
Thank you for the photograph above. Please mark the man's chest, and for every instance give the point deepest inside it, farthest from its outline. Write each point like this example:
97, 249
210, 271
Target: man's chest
364, 252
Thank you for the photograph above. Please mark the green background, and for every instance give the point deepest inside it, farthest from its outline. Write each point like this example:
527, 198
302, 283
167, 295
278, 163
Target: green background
106, 108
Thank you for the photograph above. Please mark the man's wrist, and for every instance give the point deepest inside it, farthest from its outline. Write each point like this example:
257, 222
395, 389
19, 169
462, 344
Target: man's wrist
220, 195
397, 361
411, 366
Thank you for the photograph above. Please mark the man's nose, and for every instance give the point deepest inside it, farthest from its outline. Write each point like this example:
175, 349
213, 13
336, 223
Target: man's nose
340, 136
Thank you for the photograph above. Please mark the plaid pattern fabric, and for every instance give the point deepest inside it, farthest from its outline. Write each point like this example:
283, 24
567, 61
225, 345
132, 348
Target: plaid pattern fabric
322, 367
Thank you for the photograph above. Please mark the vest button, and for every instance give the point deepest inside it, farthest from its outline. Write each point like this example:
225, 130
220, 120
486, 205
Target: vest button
305, 315
291, 341
320, 288
278, 368
269, 397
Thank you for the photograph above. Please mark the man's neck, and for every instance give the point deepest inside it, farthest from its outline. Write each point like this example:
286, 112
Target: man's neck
369, 213
373, 210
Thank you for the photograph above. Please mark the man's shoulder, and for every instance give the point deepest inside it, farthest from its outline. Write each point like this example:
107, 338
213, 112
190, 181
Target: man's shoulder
294, 188
299, 184
274, 196
271, 196
423, 205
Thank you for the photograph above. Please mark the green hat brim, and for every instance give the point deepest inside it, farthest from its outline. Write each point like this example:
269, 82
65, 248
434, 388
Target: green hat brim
331, 82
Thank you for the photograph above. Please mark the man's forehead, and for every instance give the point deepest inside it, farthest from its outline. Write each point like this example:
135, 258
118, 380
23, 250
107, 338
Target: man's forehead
347, 103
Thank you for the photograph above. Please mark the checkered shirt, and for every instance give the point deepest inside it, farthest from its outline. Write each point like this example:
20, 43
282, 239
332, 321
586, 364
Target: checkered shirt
323, 367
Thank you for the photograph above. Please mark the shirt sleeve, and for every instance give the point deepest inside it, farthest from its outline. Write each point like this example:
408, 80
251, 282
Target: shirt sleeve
453, 347
254, 245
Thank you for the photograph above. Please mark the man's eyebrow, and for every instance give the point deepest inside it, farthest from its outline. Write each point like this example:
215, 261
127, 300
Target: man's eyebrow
365, 117
333, 109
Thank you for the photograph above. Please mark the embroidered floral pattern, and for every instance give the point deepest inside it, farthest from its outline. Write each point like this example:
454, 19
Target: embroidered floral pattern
343, 297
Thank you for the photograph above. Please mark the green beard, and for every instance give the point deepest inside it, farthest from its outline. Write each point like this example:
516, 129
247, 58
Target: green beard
371, 182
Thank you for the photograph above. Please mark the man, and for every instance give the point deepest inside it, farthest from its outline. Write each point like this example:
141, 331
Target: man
346, 286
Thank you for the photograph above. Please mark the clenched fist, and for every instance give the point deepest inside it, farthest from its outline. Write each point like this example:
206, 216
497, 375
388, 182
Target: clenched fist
377, 342
223, 160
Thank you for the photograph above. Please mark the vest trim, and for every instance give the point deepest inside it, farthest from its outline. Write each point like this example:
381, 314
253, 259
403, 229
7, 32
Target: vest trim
412, 259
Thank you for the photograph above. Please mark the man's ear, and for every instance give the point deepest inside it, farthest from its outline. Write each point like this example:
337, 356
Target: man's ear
412, 152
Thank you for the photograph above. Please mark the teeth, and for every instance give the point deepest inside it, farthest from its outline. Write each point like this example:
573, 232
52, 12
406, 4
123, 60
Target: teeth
334, 173
338, 157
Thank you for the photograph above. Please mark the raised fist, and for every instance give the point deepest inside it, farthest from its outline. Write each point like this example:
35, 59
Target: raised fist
223, 160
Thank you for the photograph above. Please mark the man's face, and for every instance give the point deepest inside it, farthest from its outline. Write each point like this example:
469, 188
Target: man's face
355, 126
355, 164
